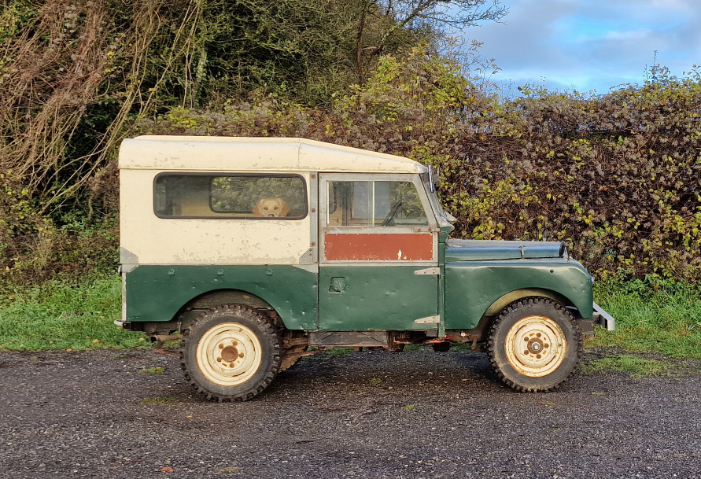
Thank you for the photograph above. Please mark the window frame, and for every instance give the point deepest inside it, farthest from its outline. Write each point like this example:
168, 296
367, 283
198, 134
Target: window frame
326, 228
224, 216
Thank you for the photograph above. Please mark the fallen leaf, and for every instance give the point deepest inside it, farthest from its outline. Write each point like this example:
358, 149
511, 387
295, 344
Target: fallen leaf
69, 350
546, 403
165, 469
408, 406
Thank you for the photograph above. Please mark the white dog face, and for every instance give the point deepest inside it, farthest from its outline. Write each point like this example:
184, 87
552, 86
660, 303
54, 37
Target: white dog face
271, 207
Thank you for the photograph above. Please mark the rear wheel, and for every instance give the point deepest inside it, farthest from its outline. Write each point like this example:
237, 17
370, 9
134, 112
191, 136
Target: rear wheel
230, 353
535, 344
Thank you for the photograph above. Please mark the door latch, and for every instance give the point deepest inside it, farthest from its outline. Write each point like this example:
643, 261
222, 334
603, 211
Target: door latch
337, 285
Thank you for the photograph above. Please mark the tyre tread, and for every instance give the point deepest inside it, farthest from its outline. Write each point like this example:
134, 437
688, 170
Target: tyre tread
266, 325
492, 343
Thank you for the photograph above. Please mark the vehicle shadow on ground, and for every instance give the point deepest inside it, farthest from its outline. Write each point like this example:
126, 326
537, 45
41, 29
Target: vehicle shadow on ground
380, 372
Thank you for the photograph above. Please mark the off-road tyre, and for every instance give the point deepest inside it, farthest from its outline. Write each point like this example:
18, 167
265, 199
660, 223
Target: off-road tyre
230, 353
535, 345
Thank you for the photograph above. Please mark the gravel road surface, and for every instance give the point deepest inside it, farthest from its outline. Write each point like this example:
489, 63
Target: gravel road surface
373, 414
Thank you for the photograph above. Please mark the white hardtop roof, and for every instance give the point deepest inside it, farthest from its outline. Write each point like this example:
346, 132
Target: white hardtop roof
211, 153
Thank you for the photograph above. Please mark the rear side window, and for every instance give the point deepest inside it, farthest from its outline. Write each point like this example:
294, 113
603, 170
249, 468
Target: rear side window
230, 196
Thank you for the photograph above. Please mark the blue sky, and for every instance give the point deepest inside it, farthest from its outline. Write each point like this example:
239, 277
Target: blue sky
590, 44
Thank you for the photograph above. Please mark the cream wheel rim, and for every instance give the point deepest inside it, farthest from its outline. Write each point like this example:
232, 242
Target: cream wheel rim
536, 346
229, 354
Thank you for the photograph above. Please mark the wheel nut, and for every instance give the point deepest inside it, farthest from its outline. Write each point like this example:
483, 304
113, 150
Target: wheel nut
219, 359
525, 352
240, 355
538, 356
221, 346
525, 339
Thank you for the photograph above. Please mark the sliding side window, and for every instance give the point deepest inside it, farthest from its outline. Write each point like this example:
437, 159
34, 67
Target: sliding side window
252, 197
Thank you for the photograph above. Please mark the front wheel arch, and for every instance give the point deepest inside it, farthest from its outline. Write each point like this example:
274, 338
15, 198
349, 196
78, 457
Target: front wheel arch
518, 294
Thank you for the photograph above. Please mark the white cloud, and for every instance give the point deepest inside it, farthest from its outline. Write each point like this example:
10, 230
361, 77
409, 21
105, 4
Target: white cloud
591, 43
631, 35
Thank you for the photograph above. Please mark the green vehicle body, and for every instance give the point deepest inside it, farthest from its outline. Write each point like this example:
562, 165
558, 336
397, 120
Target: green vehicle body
453, 295
468, 286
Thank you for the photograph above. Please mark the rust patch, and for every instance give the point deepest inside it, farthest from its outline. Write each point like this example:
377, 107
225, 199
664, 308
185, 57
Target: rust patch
378, 247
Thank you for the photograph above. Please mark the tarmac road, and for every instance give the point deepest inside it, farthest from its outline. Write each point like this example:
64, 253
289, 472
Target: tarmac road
372, 414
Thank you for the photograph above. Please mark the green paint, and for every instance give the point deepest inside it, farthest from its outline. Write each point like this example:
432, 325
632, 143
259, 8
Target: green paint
375, 298
479, 250
444, 233
360, 298
156, 293
442, 238
472, 287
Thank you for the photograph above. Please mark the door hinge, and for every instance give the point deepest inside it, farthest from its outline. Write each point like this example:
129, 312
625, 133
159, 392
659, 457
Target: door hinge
428, 320
428, 271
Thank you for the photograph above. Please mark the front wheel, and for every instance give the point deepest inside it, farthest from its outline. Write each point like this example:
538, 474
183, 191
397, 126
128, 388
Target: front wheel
230, 353
535, 345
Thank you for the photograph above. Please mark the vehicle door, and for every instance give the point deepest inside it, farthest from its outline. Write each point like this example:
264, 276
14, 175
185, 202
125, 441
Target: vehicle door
378, 259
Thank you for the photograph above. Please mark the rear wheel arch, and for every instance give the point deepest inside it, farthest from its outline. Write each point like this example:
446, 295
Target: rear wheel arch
212, 299
294, 343
218, 297
206, 301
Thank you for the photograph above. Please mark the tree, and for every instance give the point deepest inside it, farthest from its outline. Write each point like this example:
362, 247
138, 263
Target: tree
385, 23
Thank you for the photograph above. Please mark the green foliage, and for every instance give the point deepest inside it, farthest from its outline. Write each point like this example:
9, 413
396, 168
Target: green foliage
617, 177
652, 315
61, 315
625, 363
156, 370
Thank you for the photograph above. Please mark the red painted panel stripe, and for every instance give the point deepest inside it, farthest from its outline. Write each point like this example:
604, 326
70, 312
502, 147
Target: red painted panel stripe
378, 247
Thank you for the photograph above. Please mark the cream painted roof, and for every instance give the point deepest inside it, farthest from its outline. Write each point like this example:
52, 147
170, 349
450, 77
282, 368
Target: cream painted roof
206, 153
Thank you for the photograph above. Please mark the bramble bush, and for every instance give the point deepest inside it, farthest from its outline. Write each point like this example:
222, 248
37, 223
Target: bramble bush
617, 176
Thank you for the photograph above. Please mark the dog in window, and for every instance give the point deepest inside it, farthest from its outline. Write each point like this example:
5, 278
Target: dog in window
271, 207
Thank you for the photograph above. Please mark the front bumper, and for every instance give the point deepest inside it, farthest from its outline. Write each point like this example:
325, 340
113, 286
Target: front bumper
603, 318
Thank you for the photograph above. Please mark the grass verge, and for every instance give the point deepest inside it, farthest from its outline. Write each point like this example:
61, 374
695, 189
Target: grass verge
653, 315
632, 365
60, 316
